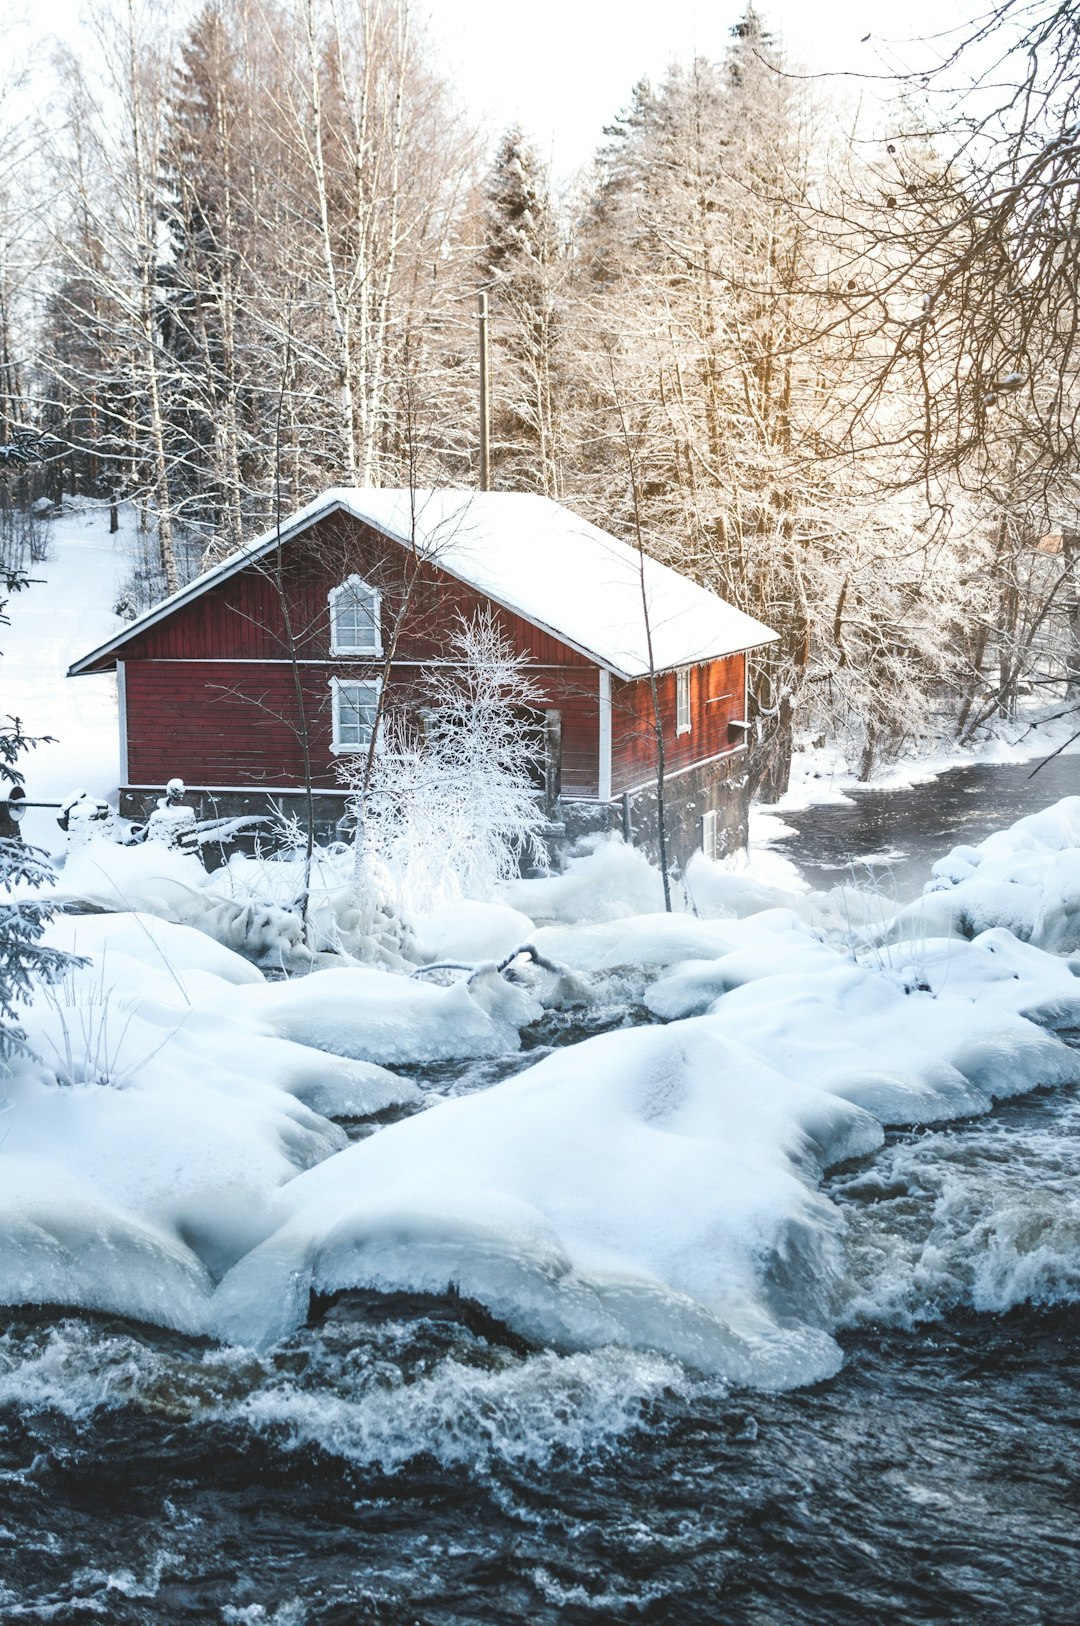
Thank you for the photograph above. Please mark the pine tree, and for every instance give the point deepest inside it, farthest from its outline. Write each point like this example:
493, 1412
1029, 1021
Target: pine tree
523, 265
24, 960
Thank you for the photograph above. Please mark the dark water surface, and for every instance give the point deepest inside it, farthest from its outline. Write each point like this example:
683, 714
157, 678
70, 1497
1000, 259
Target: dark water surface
898, 833
405, 1459
937, 1478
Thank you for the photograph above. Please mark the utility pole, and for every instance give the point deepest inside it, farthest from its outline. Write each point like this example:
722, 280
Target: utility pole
485, 398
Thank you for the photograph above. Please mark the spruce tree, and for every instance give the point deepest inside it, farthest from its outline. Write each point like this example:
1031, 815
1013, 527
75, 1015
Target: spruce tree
522, 264
24, 960
212, 408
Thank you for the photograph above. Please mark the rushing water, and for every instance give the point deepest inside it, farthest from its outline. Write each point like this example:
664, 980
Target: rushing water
405, 1459
896, 834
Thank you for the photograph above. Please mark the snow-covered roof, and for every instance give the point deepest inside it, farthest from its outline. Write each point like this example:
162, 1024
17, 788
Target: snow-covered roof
532, 556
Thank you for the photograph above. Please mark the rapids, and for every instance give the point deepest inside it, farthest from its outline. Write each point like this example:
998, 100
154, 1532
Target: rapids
408, 1458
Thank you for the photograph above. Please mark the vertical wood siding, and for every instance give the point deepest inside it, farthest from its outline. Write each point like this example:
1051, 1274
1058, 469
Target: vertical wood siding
209, 699
716, 699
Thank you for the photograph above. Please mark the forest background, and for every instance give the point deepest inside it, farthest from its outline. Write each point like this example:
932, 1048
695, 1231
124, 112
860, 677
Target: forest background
829, 372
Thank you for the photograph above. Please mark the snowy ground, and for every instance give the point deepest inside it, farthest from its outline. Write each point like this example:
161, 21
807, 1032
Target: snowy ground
174, 1154
67, 611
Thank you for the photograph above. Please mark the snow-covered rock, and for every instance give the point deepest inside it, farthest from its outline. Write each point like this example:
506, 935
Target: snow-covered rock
467, 932
1026, 878
380, 1016
604, 880
652, 1187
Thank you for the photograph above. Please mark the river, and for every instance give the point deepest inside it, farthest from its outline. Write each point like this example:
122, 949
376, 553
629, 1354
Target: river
894, 835
407, 1460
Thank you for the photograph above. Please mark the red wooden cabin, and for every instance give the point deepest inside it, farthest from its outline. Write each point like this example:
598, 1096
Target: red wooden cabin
365, 589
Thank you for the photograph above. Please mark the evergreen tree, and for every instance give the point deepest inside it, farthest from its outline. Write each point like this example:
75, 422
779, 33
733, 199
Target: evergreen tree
523, 264
213, 410
24, 959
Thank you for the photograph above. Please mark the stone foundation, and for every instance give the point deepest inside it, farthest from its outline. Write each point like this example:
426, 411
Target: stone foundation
720, 787
270, 806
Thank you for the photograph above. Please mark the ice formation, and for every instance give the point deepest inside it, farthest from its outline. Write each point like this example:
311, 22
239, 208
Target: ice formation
654, 1187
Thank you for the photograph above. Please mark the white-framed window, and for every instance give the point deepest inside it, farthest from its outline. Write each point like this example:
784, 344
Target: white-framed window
682, 700
355, 619
710, 834
355, 706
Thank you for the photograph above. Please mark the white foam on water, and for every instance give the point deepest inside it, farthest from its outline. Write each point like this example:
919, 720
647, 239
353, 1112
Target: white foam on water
357, 1403
293, 1612
984, 1218
525, 1413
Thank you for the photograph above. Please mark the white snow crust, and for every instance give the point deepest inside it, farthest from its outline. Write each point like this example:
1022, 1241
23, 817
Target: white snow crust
1026, 878
626, 1190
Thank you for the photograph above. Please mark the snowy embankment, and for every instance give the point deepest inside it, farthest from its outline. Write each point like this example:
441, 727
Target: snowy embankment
68, 609
821, 774
172, 1155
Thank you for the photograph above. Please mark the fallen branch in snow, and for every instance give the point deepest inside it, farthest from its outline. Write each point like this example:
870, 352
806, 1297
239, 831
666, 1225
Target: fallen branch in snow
533, 953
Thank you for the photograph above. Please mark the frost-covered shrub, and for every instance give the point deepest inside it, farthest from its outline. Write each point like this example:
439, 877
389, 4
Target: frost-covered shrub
448, 813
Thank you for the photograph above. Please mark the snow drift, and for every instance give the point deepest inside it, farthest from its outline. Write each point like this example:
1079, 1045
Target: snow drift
652, 1187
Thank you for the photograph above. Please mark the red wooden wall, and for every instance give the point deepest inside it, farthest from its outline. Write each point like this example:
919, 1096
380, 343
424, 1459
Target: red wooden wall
210, 692
233, 724
716, 699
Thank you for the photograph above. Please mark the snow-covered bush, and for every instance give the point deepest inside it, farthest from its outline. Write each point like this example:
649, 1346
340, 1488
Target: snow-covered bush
449, 812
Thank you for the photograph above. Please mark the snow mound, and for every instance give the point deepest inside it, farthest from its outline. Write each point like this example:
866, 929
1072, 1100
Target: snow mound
379, 1016
148, 879
733, 888
605, 880
905, 1057
653, 1187
1026, 878
468, 931
62, 1243
995, 968
143, 1145
640, 940
147, 938
692, 988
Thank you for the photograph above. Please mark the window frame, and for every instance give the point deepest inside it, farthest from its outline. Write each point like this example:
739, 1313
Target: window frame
337, 685
349, 586
710, 830
683, 718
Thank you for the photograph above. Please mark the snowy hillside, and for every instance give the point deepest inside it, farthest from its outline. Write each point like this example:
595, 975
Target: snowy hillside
66, 611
